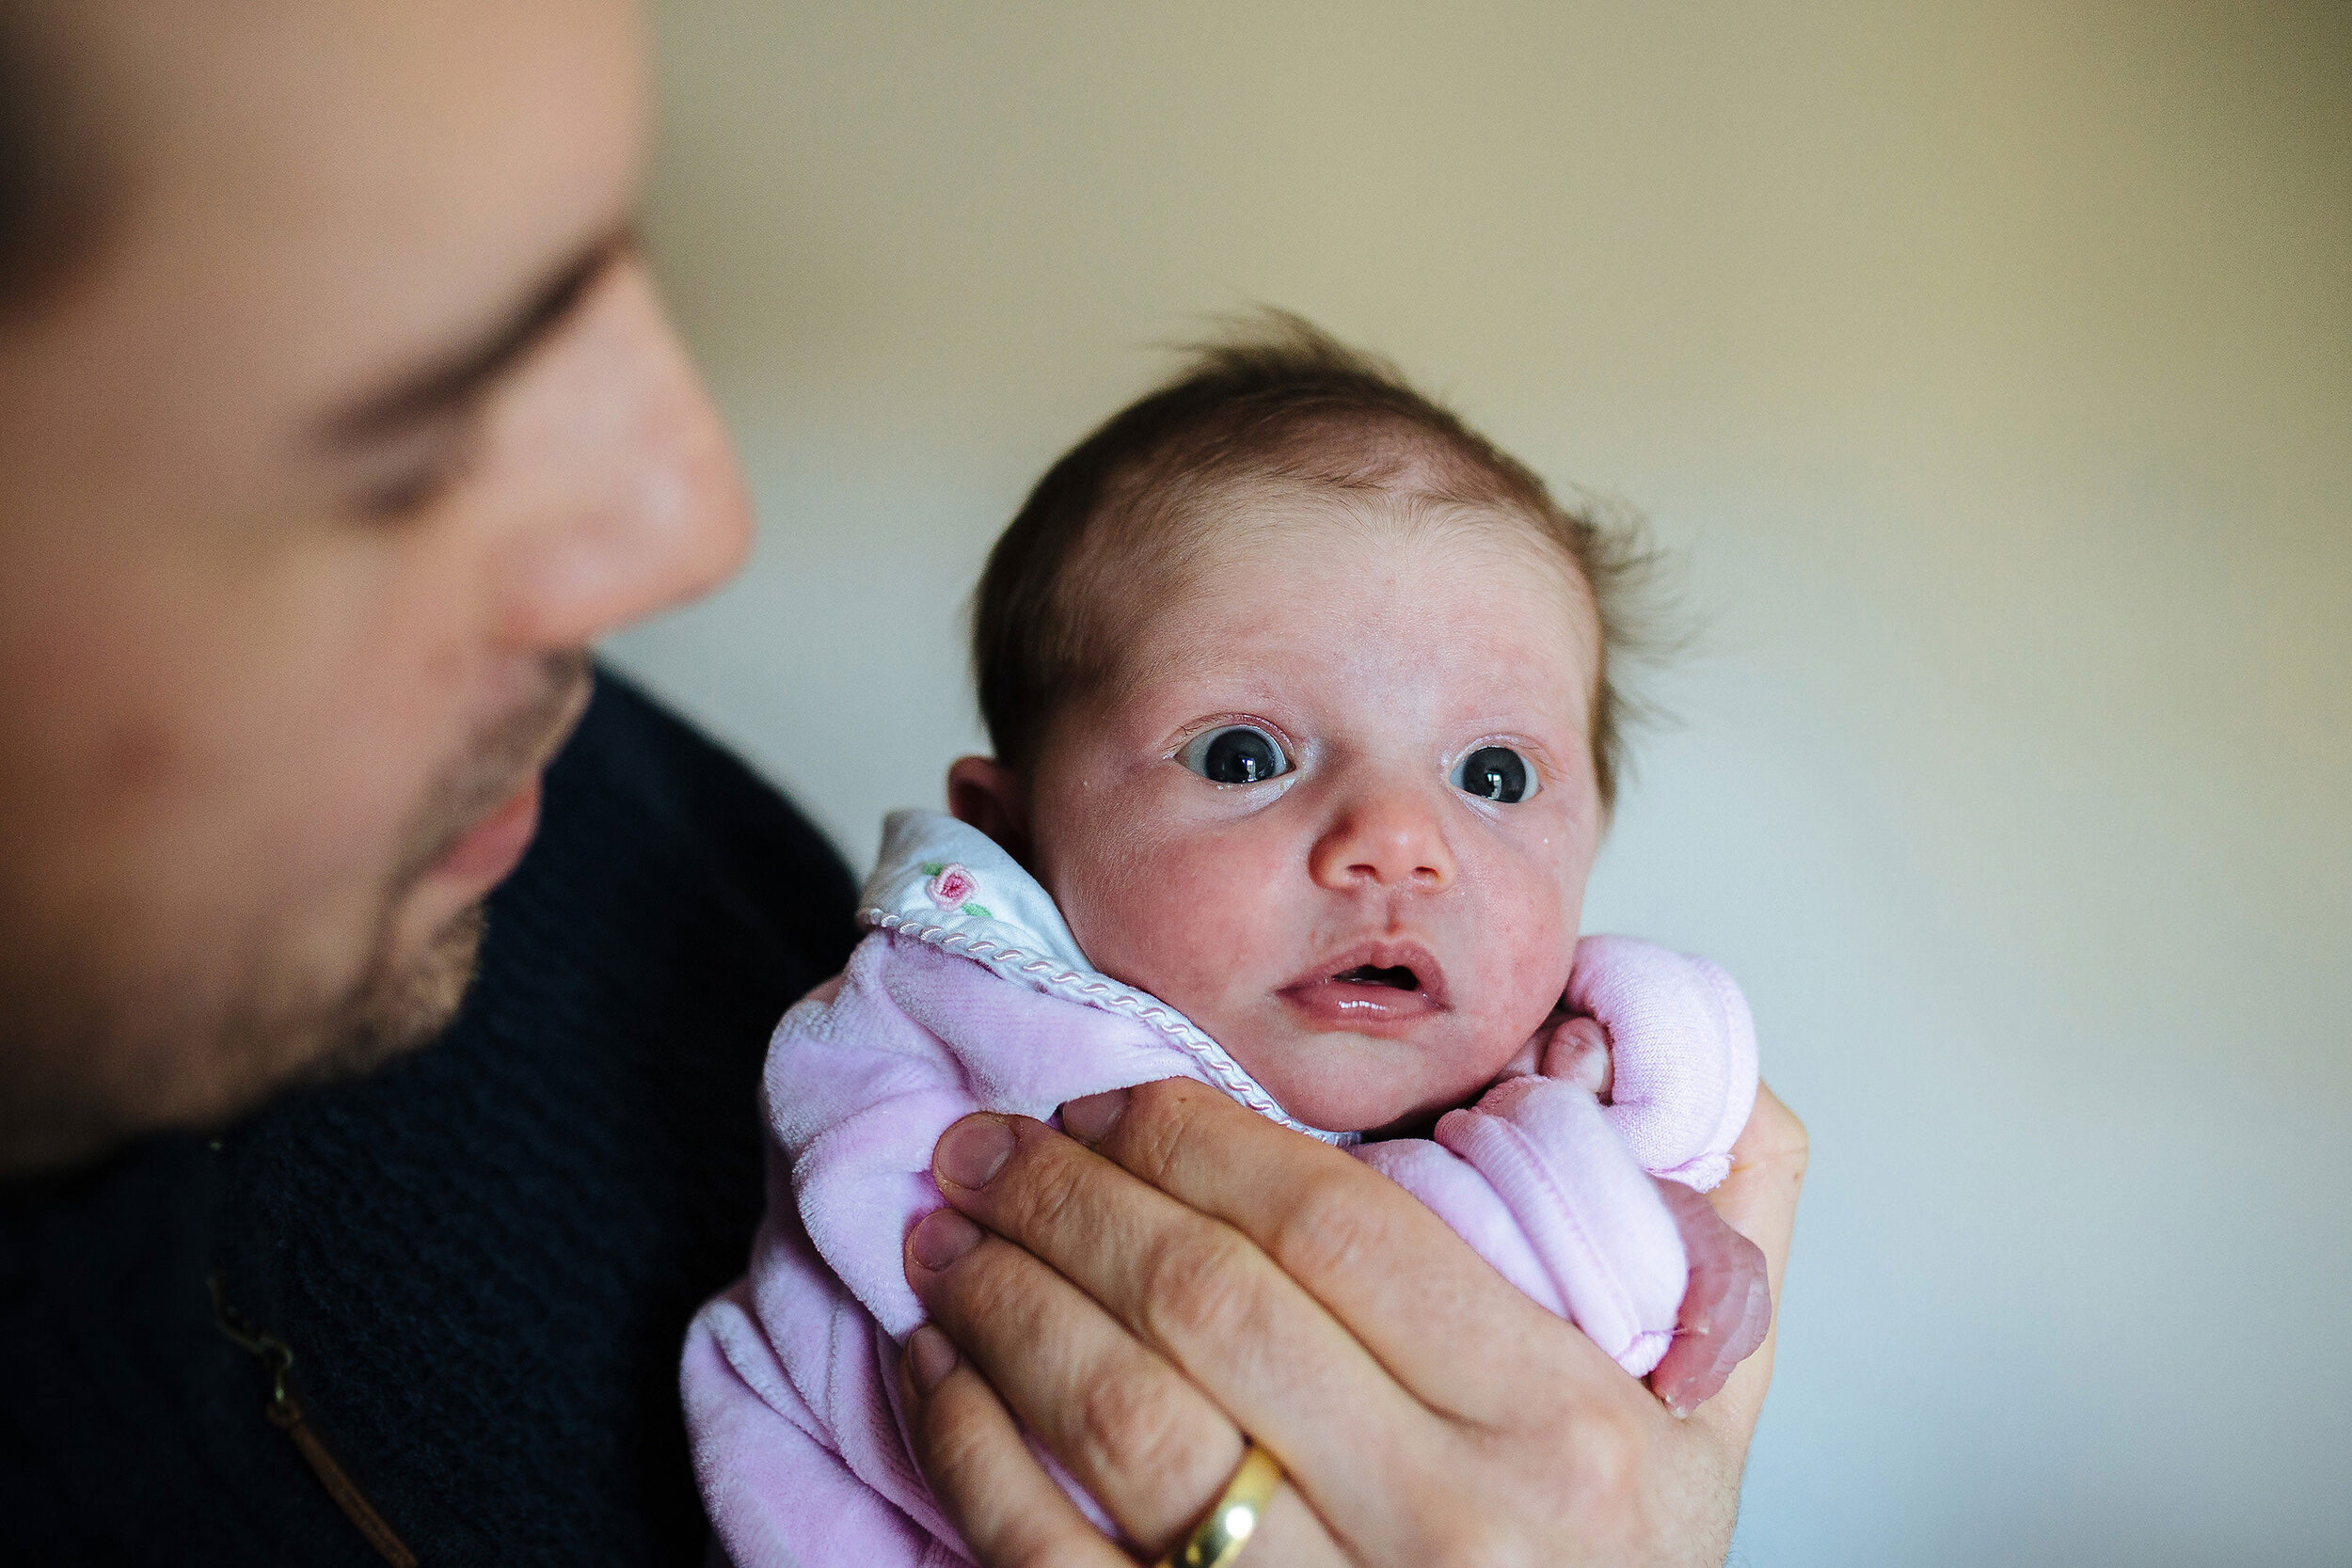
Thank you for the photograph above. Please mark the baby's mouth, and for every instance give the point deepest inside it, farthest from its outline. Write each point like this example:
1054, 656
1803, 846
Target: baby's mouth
1377, 990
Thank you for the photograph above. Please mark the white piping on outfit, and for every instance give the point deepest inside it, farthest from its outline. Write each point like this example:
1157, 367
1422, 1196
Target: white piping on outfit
1097, 991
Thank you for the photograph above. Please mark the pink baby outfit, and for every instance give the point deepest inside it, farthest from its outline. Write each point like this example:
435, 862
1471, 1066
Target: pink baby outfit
971, 994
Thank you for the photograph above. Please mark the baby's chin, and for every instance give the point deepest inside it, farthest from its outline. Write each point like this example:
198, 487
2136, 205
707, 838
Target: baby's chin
1345, 1083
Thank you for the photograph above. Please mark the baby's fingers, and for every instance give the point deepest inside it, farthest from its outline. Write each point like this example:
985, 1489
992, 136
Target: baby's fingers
1725, 1310
1759, 1201
1578, 1053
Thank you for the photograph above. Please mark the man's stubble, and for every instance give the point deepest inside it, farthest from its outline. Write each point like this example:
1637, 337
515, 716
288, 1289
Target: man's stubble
279, 1028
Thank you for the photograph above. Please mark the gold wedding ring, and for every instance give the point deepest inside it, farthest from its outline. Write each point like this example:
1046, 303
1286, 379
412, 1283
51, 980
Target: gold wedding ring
1219, 1536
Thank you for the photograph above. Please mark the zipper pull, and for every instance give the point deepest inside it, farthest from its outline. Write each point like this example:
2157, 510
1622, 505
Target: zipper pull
285, 1413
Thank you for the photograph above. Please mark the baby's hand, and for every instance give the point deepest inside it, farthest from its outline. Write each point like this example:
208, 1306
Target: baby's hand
1727, 1305
1726, 1308
1578, 1053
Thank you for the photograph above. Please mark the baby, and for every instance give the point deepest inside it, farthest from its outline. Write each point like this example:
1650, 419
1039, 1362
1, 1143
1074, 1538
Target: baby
1304, 740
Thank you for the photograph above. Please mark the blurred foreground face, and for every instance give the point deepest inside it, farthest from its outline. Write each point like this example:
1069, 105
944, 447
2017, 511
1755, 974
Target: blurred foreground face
356, 423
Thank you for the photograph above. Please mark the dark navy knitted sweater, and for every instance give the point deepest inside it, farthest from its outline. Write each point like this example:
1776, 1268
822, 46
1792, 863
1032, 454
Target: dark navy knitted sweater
484, 1258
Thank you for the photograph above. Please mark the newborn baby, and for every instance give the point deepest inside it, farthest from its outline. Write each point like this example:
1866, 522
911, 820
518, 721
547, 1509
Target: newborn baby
1305, 741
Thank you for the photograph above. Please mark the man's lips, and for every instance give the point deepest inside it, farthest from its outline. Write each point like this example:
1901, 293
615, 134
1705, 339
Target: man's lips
494, 828
493, 847
1375, 988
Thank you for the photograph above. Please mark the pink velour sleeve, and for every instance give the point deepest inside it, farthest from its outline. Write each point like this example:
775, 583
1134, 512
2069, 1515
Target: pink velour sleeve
1555, 1189
863, 1078
1539, 1183
790, 1377
779, 1494
791, 1412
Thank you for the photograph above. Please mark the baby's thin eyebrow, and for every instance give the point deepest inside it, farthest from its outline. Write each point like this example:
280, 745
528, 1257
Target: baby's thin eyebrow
450, 380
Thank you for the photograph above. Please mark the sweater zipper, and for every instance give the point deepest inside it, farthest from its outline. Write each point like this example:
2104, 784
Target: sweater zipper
285, 1413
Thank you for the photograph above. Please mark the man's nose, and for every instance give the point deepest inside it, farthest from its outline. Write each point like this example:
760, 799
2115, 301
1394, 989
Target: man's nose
1386, 834
625, 499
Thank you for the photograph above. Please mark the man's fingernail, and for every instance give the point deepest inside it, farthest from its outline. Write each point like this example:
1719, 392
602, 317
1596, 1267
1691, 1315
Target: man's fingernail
1090, 1120
972, 1151
932, 1356
943, 1236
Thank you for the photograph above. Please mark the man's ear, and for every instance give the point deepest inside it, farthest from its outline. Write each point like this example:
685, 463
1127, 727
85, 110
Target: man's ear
985, 794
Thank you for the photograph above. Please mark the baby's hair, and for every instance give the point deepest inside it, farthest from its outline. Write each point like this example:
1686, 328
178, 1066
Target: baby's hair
1277, 402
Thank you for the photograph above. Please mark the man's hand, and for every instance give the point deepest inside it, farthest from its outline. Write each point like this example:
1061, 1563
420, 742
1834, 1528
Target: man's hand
1179, 1271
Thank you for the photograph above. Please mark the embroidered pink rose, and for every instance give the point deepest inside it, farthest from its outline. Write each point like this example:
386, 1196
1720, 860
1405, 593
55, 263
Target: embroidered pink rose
950, 887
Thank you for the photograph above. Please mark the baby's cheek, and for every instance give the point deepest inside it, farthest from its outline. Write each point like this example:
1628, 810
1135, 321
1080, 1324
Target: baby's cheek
1524, 960
1181, 926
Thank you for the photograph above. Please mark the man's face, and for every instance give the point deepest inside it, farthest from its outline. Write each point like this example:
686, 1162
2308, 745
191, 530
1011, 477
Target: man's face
358, 423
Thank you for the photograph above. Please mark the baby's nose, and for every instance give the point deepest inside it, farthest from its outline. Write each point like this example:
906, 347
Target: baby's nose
1388, 839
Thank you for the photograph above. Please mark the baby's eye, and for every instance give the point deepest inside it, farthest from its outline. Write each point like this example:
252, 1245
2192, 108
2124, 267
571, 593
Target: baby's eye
1495, 773
1237, 754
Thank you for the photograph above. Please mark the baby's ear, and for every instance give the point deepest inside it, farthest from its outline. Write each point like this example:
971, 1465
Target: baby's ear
985, 794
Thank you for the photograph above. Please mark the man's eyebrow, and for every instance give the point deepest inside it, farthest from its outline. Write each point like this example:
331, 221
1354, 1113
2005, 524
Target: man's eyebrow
449, 381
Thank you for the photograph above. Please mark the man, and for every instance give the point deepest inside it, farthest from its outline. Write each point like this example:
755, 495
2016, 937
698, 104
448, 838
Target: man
338, 418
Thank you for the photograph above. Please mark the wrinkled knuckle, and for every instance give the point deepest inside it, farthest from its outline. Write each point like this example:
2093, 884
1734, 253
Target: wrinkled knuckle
1162, 1118
1132, 1425
1180, 1096
1328, 1230
980, 1291
1199, 1290
1046, 1195
954, 1450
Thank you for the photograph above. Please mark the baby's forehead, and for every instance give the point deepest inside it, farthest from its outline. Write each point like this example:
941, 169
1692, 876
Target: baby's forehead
1250, 537
1380, 579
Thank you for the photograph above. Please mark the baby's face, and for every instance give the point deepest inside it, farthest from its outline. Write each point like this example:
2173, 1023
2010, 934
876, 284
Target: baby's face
1339, 807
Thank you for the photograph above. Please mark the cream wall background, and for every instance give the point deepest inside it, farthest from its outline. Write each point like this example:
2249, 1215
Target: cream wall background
1990, 369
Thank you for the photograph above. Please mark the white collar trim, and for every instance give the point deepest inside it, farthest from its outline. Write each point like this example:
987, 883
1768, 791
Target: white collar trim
941, 882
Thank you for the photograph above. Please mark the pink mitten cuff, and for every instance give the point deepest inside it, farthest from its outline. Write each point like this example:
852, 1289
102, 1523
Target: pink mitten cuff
1591, 1216
1683, 1053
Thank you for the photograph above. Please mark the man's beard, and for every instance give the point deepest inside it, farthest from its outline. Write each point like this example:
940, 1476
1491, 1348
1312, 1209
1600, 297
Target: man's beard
395, 1008
402, 1002
278, 1028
